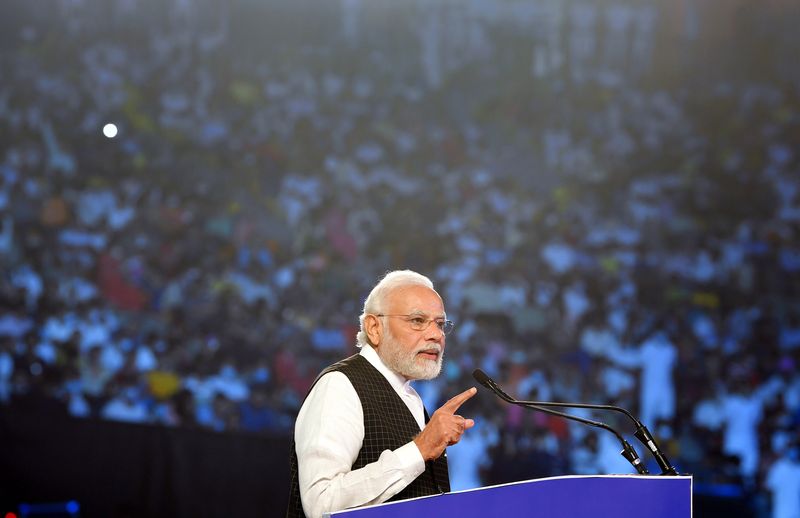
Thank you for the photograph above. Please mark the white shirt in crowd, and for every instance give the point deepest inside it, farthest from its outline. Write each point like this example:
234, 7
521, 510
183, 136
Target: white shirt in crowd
657, 358
783, 481
328, 436
740, 435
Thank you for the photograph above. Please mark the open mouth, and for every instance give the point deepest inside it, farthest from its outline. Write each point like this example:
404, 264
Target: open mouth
429, 354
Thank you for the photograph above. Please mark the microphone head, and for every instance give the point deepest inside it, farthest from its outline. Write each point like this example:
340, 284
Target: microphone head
481, 378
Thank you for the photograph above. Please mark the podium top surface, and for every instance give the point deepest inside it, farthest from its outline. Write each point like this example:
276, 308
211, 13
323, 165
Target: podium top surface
595, 496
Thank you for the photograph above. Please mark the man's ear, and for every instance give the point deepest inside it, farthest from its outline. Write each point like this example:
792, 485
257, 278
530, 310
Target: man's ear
373, 327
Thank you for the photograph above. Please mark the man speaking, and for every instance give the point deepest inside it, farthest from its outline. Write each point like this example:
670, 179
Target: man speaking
363, 436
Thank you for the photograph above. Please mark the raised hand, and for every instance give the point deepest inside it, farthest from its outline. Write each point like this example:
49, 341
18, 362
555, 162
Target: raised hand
445, 427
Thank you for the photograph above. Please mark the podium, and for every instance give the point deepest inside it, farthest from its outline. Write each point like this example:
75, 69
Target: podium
594, 496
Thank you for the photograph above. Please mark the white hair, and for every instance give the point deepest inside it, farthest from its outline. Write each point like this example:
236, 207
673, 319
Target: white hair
375, 303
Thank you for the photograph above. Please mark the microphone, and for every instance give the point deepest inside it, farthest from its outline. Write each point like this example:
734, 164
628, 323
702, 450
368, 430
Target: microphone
627, 450
642, 433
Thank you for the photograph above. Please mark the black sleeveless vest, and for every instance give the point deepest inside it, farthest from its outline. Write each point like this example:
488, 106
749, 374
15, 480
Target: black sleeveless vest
388, 425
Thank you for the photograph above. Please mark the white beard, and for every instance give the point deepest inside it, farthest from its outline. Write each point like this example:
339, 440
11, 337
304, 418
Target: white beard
407, 364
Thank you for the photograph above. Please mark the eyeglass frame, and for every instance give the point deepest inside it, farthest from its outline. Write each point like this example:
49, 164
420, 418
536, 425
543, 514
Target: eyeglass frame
446, 326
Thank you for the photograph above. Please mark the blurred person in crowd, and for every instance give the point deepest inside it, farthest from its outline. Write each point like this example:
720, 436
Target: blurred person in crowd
362, 435
783, 481
6, 367
126, 405
94, 377
473, 456
261, 412
742, 409
656, 357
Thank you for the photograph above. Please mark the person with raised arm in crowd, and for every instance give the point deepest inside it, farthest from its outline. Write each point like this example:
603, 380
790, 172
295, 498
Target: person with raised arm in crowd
363, 436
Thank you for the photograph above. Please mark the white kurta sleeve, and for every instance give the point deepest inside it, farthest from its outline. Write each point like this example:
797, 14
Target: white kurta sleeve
328, 435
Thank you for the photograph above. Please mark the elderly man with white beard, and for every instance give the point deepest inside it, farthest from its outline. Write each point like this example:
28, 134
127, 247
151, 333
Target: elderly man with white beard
363, 436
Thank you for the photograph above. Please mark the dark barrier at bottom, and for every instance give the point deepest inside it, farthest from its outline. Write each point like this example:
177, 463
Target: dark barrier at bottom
122, 470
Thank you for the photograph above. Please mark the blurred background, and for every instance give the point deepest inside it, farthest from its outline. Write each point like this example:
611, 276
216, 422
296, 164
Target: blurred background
197, 195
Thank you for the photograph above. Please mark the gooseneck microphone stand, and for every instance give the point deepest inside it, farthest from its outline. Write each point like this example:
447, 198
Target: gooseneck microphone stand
642, 433
627, 450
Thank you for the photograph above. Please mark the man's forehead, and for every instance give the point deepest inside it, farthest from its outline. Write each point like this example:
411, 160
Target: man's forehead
416, 300
439, 312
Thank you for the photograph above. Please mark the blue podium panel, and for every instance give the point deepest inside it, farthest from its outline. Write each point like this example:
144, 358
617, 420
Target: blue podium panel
602, 496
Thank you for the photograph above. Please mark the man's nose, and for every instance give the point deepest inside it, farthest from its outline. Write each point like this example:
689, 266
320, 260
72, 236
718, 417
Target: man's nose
434, 333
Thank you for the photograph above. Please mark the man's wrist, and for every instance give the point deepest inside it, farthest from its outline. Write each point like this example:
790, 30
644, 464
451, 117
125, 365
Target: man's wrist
411, 459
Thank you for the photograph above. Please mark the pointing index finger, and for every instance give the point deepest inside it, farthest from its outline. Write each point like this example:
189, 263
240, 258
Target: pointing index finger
456, 401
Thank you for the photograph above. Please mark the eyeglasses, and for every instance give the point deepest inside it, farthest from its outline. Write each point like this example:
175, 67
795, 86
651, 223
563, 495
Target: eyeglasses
421, 323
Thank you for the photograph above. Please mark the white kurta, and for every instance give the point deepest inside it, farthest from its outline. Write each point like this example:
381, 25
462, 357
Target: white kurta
328, 436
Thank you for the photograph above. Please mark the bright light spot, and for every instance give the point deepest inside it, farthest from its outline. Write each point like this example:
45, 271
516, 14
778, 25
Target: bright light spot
73, 507
11, 515
110, 130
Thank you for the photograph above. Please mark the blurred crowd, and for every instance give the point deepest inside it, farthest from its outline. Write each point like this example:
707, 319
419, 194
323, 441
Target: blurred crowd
599, 232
